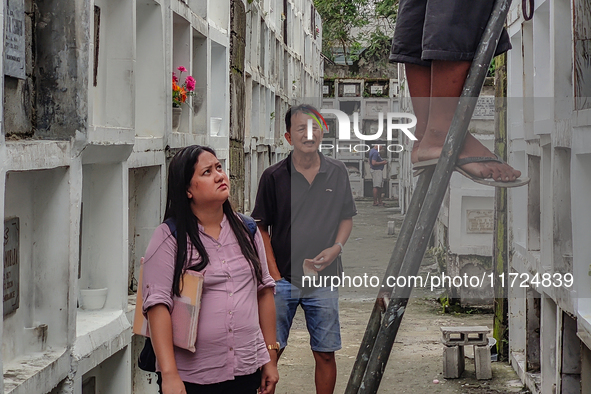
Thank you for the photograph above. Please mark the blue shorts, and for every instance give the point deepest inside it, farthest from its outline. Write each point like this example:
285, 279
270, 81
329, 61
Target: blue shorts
321, 309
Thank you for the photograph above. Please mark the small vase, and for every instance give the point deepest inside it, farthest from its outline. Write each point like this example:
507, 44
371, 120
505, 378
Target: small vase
176, 118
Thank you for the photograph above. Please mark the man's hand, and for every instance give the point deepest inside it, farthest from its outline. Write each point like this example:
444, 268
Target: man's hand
269, 378
325, 258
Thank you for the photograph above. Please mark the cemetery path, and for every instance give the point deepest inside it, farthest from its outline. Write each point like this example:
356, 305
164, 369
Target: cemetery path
416, 360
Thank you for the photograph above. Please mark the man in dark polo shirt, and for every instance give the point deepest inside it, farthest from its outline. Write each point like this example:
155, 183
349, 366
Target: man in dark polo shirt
304, 209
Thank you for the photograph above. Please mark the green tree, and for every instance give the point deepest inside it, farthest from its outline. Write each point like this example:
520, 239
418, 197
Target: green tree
339, 21
355, 24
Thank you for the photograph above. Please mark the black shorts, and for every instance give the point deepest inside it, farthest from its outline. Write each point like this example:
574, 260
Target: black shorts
247, 384
441, 30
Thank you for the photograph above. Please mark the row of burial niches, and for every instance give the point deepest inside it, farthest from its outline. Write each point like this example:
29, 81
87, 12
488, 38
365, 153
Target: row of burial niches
42, 260
129, 78
151, 106
36, 262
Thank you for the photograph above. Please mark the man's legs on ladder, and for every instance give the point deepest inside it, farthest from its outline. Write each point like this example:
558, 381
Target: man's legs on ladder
444, 81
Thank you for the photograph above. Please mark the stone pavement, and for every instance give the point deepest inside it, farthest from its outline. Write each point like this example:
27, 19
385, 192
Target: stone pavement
416, 359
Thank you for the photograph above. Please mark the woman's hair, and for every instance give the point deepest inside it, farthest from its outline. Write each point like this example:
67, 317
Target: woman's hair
178, 207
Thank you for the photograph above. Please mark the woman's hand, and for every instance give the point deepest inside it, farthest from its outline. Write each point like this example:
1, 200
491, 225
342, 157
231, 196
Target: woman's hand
172, 384
269, 378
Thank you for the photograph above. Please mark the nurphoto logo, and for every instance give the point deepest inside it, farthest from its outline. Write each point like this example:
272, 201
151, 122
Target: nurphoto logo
393, 122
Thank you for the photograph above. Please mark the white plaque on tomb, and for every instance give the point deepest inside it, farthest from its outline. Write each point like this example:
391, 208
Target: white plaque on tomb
325, 89
11, 265
349, 89
485, 108
479, 221
376, 89
14, 39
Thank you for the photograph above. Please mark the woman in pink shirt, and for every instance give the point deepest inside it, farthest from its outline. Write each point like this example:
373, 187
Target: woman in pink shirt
236, 348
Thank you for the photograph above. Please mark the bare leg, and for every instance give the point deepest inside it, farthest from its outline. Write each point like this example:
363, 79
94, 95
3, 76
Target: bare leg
375, 196
419, 85
326, 372
447, 81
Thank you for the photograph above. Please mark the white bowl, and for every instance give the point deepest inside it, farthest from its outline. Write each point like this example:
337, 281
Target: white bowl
92, 299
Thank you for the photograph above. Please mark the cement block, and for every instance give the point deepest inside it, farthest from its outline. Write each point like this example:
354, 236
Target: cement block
462, 336
391, 227
482, 362
453, 361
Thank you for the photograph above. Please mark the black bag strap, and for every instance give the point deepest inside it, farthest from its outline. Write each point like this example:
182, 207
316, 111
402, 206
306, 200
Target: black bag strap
250, 223
171, 226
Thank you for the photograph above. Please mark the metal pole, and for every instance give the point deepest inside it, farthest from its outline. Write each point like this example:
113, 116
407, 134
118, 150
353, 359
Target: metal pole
393, 269
435, 194
500, 242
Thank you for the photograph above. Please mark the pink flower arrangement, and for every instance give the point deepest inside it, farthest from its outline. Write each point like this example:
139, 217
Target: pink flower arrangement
190, 82
180, 91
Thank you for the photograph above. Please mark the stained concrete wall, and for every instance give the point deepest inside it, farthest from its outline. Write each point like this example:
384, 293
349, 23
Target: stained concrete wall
19, 99
46, 103
61, 56
549, 142
84, 163
282, 67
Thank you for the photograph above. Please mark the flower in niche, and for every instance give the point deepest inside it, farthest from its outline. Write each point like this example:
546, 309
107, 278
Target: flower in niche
190, 82
180, 91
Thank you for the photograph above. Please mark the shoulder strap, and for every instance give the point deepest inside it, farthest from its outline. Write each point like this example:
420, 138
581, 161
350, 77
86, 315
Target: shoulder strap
171, 226
250, 223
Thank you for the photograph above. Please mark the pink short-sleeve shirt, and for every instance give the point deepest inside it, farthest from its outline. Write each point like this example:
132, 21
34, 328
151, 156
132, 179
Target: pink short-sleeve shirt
229, 338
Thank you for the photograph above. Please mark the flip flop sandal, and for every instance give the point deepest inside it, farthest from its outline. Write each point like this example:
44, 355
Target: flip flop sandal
420, 167
488, 181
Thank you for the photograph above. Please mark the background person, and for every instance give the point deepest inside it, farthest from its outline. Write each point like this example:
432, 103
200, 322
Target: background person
376, 168
304, 208
237, 316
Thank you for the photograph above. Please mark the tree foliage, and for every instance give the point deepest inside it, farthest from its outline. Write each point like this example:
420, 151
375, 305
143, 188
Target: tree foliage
352, 25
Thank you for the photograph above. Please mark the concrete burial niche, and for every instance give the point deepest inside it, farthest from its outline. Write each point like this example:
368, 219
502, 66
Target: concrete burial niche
270, 118
199, 7
199, 72
151, 81
146, 200
581, 231
39, 203
181, 56
112, 65
111, 376
218, 14
218, 119
103, 241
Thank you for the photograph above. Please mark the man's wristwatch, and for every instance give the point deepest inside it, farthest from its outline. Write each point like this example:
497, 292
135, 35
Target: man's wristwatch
276, 346
341, 245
